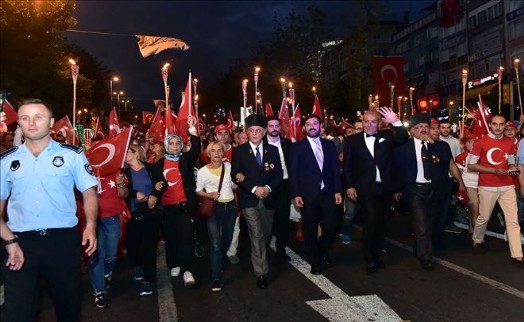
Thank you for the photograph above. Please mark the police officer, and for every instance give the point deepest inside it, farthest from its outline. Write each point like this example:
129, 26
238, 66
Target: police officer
38, 179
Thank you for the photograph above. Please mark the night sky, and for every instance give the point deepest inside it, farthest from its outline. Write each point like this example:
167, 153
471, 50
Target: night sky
219, 33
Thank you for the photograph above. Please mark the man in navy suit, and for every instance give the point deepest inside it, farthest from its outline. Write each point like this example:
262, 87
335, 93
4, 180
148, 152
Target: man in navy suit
258, 163
316, 187
370, 176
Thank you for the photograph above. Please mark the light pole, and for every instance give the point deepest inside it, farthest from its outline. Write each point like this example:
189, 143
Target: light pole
113, 79
464, 77
125, 104
118, 100
516, 63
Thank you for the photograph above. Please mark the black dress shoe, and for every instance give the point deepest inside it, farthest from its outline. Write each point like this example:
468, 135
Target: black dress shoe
427, 265
262, 282
326, 259
518, 263
372, 268
315, 269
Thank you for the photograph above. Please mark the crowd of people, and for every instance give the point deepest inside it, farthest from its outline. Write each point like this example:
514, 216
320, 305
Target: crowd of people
255, 174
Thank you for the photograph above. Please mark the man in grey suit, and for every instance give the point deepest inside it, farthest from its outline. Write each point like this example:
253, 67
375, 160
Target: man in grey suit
258, 163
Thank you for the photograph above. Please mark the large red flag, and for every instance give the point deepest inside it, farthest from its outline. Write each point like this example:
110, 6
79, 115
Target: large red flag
185, 113
269, 109
158, 129
64, 127
295, 125
387, 71
170, 122
283, 115
114, 125
99, 131
316, 107
482, 117
107, 156
147, 117
230, 121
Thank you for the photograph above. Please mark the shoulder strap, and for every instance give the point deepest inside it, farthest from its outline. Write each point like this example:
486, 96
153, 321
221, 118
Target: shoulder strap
221, 177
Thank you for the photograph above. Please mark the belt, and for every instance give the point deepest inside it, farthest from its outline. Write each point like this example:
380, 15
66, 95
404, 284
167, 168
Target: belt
43, 232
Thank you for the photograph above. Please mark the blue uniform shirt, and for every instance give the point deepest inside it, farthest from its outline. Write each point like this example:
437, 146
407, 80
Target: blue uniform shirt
40, 189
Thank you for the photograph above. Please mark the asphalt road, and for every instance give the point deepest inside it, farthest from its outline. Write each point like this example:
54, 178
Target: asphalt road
463, 287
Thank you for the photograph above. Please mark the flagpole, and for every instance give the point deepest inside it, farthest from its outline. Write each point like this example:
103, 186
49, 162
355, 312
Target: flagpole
411, 90
499, 74
464, 77
257, 69
516, 63
75, 69
195, 102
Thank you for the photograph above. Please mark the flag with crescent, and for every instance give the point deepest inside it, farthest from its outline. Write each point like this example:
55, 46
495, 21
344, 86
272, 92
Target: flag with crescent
108, 156
114, 125
64, 127
295, 125
158, 127
152, 45
387, 71
316, 107
283, 116
186, 114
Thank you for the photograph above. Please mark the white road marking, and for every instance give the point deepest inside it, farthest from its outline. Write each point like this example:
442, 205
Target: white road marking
340, 306
166, 298
488, 232
498, 285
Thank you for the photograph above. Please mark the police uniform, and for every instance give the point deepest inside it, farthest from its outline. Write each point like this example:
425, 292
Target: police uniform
41, 211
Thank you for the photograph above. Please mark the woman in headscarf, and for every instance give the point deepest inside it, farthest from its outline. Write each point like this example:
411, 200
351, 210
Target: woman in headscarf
175, 179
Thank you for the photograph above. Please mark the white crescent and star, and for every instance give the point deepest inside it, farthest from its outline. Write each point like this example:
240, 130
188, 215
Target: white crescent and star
386, 67
165, 176
110, 147
489, 156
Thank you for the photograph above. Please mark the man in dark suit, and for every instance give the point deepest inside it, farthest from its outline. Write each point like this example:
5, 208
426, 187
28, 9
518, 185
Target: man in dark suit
283, 199
417, 162
370, 176
316, 188
258, 164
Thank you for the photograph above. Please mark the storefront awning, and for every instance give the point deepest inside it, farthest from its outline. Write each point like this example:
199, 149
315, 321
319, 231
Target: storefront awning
482, 90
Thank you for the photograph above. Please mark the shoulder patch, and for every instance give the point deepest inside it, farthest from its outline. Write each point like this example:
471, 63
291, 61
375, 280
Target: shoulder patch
8, 152
75, 148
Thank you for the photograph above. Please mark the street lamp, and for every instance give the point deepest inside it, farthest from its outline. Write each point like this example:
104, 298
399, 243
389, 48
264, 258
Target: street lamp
125, 104
118, 100
516, 63
113, 79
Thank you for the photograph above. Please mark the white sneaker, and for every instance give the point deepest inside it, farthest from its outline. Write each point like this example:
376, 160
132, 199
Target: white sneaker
188, 279
175, 271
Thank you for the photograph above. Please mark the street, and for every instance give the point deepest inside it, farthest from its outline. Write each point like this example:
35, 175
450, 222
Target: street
463, 287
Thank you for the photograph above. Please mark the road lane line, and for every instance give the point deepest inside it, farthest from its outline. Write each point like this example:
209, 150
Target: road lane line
341, 307
488, 232
166, 297
498, 285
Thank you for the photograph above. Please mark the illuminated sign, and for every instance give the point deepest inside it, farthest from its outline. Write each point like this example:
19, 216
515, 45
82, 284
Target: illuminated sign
480, 81
331, 43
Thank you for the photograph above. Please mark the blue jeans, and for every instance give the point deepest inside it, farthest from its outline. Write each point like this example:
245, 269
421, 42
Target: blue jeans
108, 237
349, 216
220, 229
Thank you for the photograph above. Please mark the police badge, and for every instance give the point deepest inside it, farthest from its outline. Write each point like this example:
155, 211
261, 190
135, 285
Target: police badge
58, 161
15, 165
88, 168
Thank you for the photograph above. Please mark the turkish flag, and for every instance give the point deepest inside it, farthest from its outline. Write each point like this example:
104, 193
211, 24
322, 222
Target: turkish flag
316, 107
185, 113
295, 125
147, 117
64, 127
387, 71
10, 113
283, 116
170, 118
107, 156
158, 128
99, 131
230, 121
269, 109
114, 125
482, 118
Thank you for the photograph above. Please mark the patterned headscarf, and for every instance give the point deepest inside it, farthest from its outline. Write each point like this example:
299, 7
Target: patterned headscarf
170, 156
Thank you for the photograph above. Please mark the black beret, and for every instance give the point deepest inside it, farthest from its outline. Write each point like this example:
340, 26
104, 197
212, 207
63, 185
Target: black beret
256, 120
420, 118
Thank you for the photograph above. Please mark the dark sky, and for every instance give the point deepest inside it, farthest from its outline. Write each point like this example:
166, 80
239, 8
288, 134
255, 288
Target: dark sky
219, 33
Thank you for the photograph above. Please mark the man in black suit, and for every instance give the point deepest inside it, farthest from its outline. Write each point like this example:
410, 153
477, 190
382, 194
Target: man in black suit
258, 164
418, 164
316, 188
283, 199
370, 176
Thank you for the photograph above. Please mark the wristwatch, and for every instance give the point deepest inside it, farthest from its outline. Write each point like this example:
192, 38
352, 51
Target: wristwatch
11, 241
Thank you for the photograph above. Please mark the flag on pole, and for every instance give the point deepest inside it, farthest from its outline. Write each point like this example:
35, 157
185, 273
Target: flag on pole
147, 117
152, 45
158, 128
283, 116
114, 125
295, 125
63, 126
316, 107
230, 121
269, 109
108, 156
185, 113
10, 113
99, 131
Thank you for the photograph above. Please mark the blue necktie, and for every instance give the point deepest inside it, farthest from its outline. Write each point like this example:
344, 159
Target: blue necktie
258, 156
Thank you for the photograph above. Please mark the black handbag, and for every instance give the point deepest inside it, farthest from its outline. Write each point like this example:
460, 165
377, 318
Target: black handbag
142, 211
206, 206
